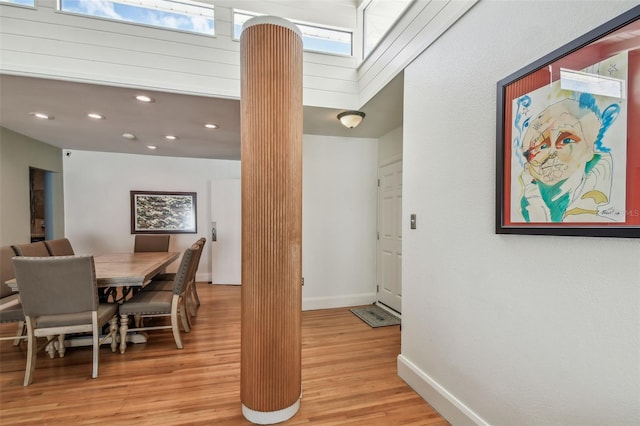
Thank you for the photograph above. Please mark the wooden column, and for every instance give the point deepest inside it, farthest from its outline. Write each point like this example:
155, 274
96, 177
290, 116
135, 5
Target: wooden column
271, 133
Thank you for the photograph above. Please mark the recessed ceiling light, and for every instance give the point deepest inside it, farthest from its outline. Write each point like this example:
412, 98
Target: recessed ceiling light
144, 98
129, 136
152, 147
95, 116
42, 115
211, 126
171, 137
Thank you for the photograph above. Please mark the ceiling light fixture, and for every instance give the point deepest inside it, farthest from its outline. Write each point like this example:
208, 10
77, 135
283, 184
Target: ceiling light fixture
211, 126
42, 115
95, 116
351, 119
171, 137
152, 147
144, 98
129, 136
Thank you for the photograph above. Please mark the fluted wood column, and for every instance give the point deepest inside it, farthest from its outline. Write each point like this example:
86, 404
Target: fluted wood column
271, 133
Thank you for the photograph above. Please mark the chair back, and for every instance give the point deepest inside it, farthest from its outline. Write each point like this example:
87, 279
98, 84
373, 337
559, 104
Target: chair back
57, 284
61, 247
38, 249
151, 242
6, 270
185, 270
200, 244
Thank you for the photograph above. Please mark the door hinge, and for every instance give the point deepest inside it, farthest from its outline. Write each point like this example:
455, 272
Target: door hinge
378, 235
377, 288
378, 183
302, 280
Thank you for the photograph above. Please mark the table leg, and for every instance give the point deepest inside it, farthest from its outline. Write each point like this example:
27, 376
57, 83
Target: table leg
124, 326
113, 331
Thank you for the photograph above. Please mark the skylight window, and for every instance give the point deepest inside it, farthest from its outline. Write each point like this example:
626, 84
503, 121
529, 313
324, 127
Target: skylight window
314, 38
30, 3
379, 17
182, 15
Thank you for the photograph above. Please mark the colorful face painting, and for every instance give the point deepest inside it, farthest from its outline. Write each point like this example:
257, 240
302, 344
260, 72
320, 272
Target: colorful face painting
569, 148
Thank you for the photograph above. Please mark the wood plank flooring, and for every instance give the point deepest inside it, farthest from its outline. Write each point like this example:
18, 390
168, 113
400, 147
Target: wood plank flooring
348, 376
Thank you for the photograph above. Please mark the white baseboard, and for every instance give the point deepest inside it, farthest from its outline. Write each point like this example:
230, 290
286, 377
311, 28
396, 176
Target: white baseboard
437, 396
313, 303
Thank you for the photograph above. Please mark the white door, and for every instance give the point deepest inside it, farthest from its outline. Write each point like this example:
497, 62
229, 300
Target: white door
226, 214
390, 235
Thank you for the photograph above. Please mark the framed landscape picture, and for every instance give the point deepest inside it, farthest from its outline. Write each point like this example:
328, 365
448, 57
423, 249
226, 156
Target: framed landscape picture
155, 212
568, 138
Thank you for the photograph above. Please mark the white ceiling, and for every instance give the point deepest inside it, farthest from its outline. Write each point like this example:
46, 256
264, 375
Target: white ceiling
171, 113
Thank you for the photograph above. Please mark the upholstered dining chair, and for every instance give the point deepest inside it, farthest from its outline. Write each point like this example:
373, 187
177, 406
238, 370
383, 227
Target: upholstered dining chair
160, 304
151, 242
60, 247
59, 296
10, 306
164, 282
37, 249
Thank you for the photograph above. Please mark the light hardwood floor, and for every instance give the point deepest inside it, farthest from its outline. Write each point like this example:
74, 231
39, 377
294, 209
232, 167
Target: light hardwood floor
348, 376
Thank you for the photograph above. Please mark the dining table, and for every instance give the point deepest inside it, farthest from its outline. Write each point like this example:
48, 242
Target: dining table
126, 271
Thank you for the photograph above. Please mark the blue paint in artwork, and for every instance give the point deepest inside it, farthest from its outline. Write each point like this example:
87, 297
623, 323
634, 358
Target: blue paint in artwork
607, 117
523, 102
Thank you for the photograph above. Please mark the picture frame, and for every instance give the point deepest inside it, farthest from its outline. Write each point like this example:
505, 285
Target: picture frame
567, 147
158, 212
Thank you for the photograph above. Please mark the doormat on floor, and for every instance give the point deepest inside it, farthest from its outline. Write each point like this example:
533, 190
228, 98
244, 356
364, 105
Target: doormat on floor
375, 316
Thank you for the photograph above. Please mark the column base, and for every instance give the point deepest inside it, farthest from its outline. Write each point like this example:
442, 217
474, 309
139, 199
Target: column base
270, 417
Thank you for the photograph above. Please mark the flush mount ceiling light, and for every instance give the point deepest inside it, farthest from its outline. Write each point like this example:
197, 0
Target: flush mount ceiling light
152, 147
42, 115
129, 136
351, 119
144, 98
211, 126
95, 116
171, 137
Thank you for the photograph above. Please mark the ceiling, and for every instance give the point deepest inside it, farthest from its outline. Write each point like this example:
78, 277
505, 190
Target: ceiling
177, 114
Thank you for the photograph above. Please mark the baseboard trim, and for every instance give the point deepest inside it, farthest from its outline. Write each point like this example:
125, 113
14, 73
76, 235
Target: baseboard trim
313, 303
451, 408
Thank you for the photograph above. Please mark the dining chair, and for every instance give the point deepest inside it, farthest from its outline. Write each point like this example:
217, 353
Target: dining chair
164, 282
37, 249
10, 306
160, 304
59, 296
60, 247
151, 242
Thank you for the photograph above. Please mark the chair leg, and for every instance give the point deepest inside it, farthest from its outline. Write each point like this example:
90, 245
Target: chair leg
19, 333
96, 345
61, 348
184, 317
195, 294
51, 347
32, 351
175, 327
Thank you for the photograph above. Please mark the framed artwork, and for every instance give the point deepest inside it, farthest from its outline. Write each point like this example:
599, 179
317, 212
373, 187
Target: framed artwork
568, 138
155, 212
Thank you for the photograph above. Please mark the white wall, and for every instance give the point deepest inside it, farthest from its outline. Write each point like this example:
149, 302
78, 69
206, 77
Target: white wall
338, 221
98, 206
43, 42
390, 146
18, 153
506, 329
339, 215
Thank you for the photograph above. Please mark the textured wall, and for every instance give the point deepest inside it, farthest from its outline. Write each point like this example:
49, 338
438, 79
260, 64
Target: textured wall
521, 330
